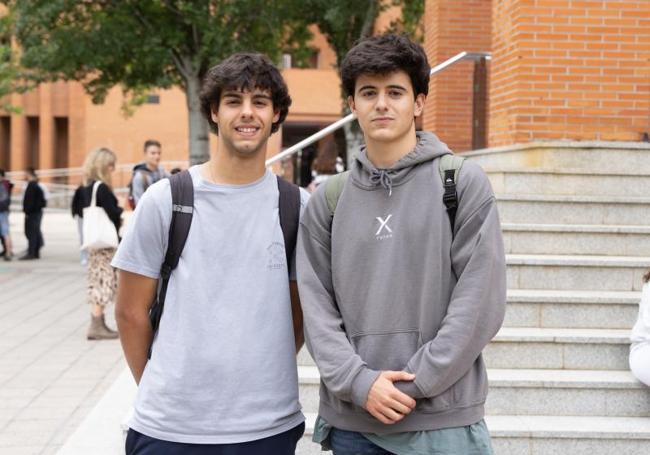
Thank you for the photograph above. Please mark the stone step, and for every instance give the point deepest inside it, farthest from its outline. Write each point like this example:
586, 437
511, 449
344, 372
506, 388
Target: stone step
571, 309
566, 393
546, 348
568, 182
606, 240
539, 392
529, 209
570, 349
628, 158
548, 435
564, 435
564, 272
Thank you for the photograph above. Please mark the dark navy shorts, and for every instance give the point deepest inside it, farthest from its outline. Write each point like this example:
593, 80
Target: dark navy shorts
280, 444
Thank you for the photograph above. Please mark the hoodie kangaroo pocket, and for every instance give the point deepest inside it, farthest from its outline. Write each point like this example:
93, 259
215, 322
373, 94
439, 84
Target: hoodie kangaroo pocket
387, 350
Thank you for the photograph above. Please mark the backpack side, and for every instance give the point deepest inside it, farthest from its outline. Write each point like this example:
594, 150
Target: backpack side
182, 189
289, 208
333, 189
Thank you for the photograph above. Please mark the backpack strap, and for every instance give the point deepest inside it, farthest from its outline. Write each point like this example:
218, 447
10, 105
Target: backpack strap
449, 167
182, 190
289, 205
333, 189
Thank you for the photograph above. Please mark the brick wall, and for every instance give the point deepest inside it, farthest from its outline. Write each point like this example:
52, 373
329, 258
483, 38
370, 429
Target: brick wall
453, 26
569, 69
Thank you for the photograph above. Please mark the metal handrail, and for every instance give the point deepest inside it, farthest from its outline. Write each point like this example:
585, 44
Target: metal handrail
351, 117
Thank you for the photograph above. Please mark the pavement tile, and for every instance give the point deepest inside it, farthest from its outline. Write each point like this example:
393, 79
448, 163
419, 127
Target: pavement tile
50, 375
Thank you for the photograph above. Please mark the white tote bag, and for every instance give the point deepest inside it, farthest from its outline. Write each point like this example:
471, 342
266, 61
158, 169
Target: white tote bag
98, 230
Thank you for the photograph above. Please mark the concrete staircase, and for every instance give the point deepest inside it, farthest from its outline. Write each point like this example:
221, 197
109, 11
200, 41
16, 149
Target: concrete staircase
576, 225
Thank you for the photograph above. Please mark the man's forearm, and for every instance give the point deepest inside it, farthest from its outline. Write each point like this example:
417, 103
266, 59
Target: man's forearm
136, 337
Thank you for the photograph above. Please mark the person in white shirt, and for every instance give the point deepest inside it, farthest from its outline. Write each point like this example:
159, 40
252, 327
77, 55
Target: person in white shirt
640, 349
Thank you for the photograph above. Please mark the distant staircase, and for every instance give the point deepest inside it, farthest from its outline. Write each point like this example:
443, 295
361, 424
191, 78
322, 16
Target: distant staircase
576, 224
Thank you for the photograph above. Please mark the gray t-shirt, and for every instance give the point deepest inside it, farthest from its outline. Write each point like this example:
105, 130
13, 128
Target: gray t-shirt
144, 179
223, 365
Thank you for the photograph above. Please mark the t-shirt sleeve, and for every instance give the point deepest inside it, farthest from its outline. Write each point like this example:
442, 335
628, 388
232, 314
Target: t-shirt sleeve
304, 198
143, 247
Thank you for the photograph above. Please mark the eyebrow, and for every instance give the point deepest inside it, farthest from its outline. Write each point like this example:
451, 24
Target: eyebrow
238, 94
392, 86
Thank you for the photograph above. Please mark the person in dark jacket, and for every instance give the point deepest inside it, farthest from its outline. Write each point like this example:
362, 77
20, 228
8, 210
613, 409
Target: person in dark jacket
102, 278
33, 204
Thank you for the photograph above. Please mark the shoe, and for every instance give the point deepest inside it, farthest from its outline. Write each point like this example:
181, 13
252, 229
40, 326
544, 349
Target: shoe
27, 257
98, 329
8, 257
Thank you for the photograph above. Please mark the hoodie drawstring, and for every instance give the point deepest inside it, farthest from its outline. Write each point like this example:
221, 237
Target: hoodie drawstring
383, 177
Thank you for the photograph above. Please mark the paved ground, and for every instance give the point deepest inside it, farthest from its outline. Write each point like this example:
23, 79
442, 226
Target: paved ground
51, 377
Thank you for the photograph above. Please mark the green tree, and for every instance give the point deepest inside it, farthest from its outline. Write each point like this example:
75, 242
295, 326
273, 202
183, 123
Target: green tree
344, 22
146, 44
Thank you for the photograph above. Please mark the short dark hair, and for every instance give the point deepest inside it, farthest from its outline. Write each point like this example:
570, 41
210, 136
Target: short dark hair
244, 71
31, 171
380, 55
149, 142
2, 172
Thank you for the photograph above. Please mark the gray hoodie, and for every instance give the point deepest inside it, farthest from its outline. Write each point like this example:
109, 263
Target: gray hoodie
384, 287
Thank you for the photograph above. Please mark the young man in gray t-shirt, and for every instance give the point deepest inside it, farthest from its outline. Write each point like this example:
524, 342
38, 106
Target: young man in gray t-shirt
222, 377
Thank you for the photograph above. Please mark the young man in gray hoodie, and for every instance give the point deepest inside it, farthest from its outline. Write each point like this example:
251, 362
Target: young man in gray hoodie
398, 301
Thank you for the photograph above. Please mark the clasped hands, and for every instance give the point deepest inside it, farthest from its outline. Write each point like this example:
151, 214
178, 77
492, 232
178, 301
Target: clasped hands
386, 402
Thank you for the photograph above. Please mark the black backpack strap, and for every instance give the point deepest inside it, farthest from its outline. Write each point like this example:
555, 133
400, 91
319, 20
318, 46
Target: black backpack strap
289, 216
449, 167
182, 190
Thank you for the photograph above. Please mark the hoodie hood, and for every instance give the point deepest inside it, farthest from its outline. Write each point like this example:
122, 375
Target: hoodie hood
365, 175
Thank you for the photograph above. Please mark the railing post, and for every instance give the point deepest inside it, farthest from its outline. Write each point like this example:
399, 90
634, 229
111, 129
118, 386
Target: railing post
479, 105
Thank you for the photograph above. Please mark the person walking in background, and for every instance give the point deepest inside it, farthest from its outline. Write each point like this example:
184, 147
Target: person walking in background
102, 277
5, 202
76, 208
146, 173
33, 204
326, 164
640, 348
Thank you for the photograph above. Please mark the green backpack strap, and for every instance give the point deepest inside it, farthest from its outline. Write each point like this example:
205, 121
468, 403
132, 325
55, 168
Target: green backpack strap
449, 166
333, 189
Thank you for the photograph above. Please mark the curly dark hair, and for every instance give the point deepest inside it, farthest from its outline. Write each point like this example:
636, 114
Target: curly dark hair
244, 71
383, 55
646, 277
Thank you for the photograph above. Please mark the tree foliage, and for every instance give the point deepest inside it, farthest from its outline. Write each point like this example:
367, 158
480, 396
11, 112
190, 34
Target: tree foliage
144, 44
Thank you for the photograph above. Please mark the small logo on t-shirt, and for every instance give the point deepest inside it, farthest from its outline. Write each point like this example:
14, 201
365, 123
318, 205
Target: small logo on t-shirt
277, 257
384, 232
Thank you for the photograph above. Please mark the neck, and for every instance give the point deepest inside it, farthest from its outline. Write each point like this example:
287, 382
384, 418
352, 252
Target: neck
152, 167
385, 154
232, 169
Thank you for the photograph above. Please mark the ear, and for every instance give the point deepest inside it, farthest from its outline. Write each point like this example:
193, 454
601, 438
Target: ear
420, 100
214, 110
351, 104
276, 116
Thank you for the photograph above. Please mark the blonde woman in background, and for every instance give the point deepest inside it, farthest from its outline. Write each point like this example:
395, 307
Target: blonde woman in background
640, 349
102, 278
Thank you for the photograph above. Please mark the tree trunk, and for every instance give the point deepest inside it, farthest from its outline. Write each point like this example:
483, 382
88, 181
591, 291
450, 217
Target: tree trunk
199, 143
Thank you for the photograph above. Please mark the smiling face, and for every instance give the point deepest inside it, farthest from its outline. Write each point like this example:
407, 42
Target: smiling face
245, 119
386, 107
